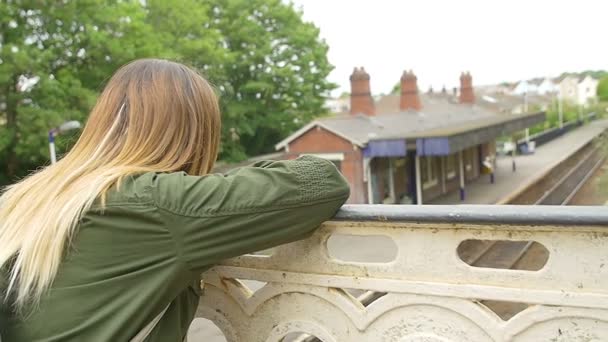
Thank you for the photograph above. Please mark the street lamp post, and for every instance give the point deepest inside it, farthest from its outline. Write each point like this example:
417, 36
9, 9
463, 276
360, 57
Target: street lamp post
64, 127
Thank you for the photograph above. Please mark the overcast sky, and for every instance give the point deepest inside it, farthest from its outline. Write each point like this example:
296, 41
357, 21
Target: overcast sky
496, 40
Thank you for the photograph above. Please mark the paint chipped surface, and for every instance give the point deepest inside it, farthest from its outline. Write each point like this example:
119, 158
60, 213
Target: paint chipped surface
431, 294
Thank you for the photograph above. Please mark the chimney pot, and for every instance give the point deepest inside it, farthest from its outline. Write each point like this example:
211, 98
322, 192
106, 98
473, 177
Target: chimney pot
361, 100
467, 94
409, 92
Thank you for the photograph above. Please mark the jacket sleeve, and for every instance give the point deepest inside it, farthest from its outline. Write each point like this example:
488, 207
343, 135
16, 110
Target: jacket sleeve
216, 216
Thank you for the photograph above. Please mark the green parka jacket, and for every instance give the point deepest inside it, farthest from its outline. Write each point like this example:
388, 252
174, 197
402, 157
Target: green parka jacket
157, 233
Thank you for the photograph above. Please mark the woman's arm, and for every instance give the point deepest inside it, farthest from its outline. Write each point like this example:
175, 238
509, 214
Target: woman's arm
215, 217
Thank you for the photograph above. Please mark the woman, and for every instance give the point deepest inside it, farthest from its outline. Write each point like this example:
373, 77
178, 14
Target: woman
117, 233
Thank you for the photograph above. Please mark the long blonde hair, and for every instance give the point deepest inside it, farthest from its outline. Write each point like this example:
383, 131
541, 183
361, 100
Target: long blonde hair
153, 115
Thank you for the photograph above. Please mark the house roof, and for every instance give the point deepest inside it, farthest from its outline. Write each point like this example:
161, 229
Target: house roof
560, 78
441, 115
536, 81
578, 78
504, 103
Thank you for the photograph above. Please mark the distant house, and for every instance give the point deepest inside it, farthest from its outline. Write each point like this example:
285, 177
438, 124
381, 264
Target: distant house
502, 88
577, 90
546, 87
338, 105
408, 147
515, 104
540, 86
587, 90
568, 88
524, 87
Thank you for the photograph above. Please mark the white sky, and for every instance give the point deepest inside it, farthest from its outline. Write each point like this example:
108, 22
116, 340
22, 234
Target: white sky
495, 40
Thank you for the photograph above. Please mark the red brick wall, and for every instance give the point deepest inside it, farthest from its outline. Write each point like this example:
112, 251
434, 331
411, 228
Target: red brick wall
319, 140
409, 92
361, 100
467, 94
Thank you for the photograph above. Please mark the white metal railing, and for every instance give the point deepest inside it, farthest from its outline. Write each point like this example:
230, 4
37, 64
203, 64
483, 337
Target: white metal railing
431, 294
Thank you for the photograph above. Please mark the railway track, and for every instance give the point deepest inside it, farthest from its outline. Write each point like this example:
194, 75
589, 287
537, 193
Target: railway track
563, 191
530, 255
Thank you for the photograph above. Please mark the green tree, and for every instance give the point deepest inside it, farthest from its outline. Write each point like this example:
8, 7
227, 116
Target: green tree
184, 30
597, 74
53, 58
602, 89
268, 65
274, 73
396, 88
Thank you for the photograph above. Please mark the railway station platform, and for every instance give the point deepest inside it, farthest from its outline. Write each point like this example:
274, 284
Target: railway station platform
528, 167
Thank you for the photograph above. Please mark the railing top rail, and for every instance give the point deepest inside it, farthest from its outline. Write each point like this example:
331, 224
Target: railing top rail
478, 214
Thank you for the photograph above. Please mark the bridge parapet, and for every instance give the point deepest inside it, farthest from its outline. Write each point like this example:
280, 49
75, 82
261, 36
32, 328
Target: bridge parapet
396, 273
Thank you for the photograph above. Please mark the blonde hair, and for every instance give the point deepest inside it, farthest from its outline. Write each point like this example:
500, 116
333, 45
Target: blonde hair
153, 115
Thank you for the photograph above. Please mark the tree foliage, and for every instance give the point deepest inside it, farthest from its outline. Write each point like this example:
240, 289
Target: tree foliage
54, 57
597, 74
602, 89
268, 65
275, 73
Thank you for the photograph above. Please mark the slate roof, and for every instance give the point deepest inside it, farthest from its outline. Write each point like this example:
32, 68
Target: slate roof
441, 115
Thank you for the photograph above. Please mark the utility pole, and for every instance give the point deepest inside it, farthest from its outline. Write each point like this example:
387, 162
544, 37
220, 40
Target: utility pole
514, 141
526, 112
560, 110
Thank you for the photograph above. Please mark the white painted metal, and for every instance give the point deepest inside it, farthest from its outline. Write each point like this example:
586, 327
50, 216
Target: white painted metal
432, 295
418, 182
69, 125
52, 152
328, 156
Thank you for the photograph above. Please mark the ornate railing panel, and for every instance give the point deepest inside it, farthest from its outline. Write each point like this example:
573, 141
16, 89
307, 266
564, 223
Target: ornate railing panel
427, 292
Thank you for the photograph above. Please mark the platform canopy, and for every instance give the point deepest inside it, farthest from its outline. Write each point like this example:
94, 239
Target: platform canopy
440, 127
448, 140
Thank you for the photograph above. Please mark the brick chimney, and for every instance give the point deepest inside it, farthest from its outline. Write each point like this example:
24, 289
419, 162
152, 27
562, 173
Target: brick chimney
409, 92
361, 100
466, 88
